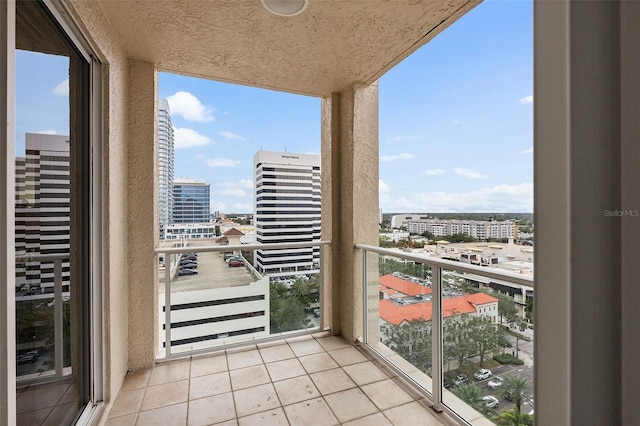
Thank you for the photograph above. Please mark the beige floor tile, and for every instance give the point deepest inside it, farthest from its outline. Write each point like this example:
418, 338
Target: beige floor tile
305, 347
168, 373
38, 397
136, 380
295, 390
377, 419
167, 394
210, 410
249, 376
276, 353
411, 414
313, 412
233, 422
330, 381
31, 418
386, 394
128, 420
127, 402
62, 415
274, 417
347, 356
71, 395
244, 359
213, 384
365, 372
209, 365
317, 362
255, 399
285, 369
173, 415
350, 404
331, 343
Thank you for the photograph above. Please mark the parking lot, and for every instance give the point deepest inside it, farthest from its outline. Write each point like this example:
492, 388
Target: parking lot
213, 272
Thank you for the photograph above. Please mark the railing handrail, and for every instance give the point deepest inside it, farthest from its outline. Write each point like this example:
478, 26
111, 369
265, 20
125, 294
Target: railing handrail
241, 247
511, 277
32, 257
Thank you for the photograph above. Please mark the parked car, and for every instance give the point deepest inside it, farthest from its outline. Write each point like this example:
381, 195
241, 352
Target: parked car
482, 374
182, 272
461, 379
28, 357
490, 401
191, 258
316, 313
235, 263
494, 383
189, 265
229, 259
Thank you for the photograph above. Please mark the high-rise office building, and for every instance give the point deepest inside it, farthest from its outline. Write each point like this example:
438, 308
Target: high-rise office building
165, 166
42, 211
191, 201
287, 209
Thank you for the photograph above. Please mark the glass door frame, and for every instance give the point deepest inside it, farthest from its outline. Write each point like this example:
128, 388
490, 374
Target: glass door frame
93, 217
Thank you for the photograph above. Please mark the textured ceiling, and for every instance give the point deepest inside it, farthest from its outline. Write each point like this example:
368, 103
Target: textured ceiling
328, 47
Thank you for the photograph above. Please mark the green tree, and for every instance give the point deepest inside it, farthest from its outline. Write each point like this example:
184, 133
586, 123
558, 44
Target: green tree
459, 344
286, 312
301, 291
518, 390
511, 418
487, 336
217, 229
472, 395
528, 309
507, 308
411, 340
384, 241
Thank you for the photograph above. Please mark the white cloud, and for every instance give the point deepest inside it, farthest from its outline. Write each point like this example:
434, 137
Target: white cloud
526, 100
457, 122
403, 156
62, 88
383, 187
222, 162
471, 174
433, 172
47, 132
186, 138
242, 208
218, 206
232, 136
190, 107
528, 150
232, 192
242, 183
501, 198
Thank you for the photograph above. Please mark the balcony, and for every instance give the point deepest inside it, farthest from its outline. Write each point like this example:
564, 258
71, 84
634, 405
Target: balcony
312, 380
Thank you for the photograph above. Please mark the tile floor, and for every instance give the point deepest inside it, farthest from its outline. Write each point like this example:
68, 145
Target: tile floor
313, 380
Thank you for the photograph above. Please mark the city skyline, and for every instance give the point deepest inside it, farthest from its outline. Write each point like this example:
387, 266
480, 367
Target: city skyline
455, 129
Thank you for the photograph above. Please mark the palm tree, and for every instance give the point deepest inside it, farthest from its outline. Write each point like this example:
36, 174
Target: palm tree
472, 395
518, 390
511, 418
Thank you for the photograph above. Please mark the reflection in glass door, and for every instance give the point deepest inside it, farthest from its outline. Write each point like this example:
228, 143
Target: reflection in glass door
52, 204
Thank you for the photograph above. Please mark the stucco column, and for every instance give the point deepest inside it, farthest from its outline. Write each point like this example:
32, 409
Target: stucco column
142, 227
350, 200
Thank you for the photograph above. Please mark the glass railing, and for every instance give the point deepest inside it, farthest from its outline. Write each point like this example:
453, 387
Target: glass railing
216, 297
43, 347
458, 331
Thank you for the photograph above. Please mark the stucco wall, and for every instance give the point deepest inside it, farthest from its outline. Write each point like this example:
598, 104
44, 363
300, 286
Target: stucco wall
97, 29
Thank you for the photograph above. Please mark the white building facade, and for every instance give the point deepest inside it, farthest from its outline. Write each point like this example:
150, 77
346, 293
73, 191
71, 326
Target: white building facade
42, 211
480, 229
165, 166
287, 209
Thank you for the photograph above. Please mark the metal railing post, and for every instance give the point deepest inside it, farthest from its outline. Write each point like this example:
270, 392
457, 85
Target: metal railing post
58, 317
167, 304
436, 337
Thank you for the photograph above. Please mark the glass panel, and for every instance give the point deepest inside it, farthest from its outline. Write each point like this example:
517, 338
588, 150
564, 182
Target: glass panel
218, 298
51, 227
399, 314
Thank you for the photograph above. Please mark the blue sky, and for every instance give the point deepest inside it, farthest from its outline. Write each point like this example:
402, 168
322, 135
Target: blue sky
456, 120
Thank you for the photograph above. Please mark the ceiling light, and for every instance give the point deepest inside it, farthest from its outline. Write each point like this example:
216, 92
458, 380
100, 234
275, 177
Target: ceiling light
285, 7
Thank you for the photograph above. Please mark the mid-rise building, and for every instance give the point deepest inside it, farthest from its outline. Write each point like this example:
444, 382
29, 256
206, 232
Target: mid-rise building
165, 166
480, 229
42, 211
287, 209
191, 201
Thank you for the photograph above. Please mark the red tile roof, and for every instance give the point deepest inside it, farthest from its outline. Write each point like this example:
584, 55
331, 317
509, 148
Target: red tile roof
396, 314
403, 286
232, 232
